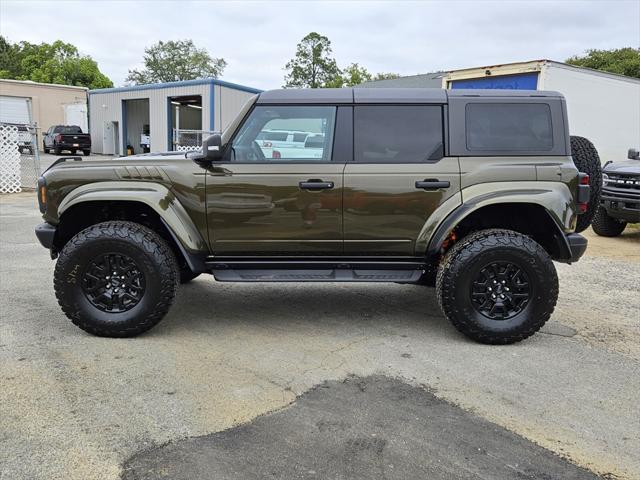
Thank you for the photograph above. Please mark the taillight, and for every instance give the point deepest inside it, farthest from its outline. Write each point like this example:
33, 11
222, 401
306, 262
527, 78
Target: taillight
58, 137
276, 154
584, 192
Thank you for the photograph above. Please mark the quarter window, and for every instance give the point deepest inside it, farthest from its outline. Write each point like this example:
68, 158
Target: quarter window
509, 127
398, 134
286, 133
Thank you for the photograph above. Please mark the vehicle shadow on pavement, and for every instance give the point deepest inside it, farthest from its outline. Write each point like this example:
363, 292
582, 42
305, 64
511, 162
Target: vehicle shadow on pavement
360, 428
206, 304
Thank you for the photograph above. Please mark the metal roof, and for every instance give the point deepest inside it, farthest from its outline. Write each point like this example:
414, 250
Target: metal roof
184, 83
424, 80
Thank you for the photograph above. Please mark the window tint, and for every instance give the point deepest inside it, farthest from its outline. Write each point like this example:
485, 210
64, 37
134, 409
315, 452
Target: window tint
68, 130
397, 134
265, 135
509, 127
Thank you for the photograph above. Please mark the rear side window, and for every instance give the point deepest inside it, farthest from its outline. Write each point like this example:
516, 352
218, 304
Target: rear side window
509, 127
397, 133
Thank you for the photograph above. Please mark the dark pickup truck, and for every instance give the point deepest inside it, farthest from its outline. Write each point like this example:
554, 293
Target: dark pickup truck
66, 137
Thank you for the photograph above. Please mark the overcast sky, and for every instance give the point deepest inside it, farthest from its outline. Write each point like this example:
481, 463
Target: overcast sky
258, 38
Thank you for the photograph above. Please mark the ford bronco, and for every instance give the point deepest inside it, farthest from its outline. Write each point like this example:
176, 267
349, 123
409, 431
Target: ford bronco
620, 199
473, 192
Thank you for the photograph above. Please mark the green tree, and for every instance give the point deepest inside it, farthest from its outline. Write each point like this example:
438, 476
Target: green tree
350, 76
313, 66
624, 61
58, 62
174, 61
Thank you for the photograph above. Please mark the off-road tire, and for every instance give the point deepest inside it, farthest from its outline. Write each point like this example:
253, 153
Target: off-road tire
465, 260
152, 257
605, 225
586, 159
186, 275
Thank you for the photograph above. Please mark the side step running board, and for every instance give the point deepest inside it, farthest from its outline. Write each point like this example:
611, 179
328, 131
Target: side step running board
319, 269
323, 275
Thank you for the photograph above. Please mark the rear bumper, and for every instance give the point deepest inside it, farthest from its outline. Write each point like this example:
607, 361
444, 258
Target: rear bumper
577, 246
46, 233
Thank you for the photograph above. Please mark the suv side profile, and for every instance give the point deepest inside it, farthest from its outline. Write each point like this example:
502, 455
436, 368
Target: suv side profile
475, 192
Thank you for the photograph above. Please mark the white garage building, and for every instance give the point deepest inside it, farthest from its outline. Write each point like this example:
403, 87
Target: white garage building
163, 116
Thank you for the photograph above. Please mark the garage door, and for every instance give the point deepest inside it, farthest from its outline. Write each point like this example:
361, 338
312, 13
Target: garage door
14, 110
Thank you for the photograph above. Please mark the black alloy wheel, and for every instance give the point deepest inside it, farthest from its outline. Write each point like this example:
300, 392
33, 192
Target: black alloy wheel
113, 283
501, 290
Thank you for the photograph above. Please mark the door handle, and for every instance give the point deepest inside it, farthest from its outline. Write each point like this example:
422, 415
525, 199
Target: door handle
314, 184
432, 184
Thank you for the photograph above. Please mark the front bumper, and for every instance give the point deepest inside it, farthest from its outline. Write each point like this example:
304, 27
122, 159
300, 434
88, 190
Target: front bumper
46, 233
577, 246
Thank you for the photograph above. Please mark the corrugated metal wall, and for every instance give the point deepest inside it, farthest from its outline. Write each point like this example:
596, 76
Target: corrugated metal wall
107, 107
229, 101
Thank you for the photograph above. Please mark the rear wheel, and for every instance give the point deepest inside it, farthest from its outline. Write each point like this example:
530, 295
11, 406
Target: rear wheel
116, 279
86, 152
586, 159
497, 286
57, 150
605, 225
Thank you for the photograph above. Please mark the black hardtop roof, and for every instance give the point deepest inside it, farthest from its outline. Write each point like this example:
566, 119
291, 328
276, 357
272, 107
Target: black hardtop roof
387, 95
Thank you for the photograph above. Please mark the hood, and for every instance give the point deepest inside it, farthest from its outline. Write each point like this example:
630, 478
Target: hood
68, 162
629, 167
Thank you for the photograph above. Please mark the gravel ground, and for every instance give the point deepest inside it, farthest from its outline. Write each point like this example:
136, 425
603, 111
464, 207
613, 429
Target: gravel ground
74, 406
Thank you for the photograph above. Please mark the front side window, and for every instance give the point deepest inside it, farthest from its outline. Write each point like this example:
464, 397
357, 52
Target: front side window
509, 127
285, 133
398, 133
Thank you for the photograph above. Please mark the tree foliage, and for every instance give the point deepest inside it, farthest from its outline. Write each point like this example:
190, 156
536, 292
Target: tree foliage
624, 61
58, 62
386, 76
174, 61
313, 65
351, 76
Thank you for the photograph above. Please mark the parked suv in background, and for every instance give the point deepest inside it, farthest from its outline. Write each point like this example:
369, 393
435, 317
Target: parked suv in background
474, 191
620, 200
66, 137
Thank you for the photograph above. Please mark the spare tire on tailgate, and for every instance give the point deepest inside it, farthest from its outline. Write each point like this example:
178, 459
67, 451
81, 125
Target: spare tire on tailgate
586, 159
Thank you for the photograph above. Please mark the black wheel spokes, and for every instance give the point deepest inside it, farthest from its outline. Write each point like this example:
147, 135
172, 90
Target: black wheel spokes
113, 283
500, 290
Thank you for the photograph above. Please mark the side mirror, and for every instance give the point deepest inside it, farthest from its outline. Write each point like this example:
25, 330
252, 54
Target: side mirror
211, 151
633, 154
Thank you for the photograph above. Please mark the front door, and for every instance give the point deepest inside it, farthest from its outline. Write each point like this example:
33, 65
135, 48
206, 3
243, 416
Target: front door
279, 189
399, 176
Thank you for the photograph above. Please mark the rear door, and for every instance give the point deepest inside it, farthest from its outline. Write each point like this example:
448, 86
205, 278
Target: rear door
398, 177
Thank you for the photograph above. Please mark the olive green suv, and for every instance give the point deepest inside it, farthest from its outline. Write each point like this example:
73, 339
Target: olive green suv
475, 192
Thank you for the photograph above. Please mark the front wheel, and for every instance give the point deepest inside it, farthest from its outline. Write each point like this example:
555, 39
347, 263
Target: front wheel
497, 286
116, 279
605, 225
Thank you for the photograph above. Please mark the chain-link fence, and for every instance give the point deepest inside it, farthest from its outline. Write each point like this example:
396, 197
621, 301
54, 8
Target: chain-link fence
189, 140
19, 157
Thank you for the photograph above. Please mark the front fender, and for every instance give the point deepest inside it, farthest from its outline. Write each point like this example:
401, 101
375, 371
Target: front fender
554, 197
156, 196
